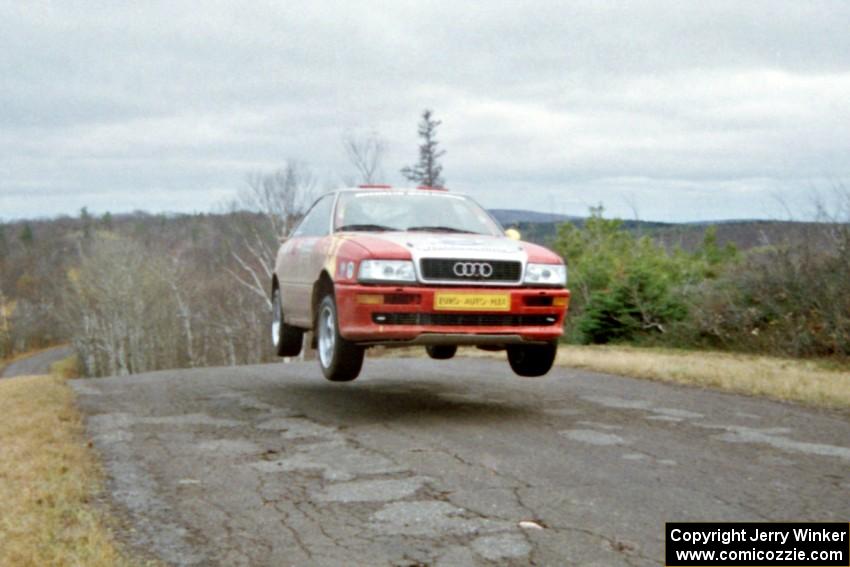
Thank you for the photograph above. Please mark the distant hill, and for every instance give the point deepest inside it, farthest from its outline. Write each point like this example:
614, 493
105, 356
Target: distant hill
515, 216
745, 234
542, 228
534, 226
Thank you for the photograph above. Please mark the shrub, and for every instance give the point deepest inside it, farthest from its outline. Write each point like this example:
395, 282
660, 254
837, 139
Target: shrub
626, 287
789, 300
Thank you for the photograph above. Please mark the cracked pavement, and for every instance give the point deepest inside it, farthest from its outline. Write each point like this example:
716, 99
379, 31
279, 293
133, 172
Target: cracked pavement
421, 462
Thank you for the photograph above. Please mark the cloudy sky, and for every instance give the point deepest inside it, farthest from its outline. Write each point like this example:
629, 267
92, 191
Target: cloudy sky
675, 110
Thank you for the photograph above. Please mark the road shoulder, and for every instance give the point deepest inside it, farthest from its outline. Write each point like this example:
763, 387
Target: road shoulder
51, 479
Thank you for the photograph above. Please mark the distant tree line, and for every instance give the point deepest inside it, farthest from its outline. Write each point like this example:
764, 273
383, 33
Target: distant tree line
145, 292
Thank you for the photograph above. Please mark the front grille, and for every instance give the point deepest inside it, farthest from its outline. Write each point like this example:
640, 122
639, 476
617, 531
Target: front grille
444, 269
464, 319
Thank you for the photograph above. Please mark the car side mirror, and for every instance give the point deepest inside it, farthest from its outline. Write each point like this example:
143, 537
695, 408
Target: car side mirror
513, 234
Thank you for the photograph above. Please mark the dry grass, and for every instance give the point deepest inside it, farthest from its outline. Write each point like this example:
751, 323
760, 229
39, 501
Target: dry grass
48, 477
66, 368
807, 382
800, 381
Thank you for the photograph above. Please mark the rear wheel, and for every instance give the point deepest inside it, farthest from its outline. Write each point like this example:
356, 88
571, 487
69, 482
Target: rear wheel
532, 360
441, 352
286, 339
340, 360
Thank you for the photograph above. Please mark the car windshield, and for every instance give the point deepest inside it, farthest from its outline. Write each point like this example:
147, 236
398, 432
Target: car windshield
425, 211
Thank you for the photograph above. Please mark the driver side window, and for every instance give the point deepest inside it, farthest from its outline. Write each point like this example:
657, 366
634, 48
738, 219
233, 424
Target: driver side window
317, 220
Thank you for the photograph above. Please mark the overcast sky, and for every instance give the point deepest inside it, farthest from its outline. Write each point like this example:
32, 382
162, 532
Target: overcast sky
676, 110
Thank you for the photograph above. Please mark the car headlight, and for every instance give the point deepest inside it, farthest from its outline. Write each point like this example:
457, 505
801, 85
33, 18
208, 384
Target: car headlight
546, 274
386, 271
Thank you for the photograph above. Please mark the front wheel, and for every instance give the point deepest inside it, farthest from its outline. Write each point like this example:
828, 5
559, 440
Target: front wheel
532, 360
340, 360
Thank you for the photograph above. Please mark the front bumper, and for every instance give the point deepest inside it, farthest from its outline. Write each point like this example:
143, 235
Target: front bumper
385, 314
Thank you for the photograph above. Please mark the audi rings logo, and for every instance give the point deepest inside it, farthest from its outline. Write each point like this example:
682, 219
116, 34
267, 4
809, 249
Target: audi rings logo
472, 269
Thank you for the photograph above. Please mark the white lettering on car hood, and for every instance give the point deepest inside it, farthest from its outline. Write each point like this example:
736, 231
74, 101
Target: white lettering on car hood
456, 245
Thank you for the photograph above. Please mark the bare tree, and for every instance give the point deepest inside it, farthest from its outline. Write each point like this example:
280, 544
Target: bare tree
280, 198
5, 334
121, 314
365, 153
427, 171
183, 288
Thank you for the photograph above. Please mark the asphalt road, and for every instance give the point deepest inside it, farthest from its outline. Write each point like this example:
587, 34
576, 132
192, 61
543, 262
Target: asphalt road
38, 363
437, 463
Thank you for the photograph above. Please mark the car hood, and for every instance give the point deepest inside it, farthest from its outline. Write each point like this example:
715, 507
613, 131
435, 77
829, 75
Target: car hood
461, 246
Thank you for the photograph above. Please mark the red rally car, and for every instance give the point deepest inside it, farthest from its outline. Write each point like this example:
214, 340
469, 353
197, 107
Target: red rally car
375, 265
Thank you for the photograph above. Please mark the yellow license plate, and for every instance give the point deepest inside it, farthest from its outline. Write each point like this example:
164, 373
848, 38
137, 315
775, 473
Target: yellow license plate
472, 301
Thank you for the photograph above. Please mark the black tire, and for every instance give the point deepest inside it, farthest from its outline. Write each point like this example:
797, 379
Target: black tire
441, 352
287, 339
532, 360
339, 359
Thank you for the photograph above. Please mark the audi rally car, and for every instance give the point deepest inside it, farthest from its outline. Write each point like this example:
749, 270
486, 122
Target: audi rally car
375, 265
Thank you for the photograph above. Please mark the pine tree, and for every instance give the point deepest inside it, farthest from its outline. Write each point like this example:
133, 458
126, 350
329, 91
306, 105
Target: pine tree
26, 235
86, 219
428, 170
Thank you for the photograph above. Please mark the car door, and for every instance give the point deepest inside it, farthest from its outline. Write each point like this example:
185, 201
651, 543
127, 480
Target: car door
302, 253
285, 270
